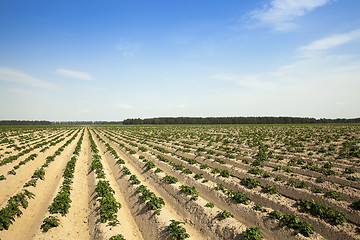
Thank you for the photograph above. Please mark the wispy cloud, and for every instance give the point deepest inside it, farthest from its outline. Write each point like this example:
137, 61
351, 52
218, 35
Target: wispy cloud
279, 14
128, 49
329, 42
74, 74
123, 106
13, 75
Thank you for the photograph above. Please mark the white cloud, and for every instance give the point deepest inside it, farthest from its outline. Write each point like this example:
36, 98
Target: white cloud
12, 75
85, 110
123, 106
280, 13
128, 49
73, 74
329, 42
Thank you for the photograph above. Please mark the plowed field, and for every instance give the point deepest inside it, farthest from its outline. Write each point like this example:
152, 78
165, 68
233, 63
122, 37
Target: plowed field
180, 182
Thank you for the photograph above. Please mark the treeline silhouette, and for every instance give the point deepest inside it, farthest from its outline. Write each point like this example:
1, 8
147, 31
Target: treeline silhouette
87, 123
190, 120
27, 122
24, 122
236, 120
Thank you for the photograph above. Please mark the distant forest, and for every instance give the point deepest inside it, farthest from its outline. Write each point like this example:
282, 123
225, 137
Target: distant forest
236, 120
25, 122
190, 120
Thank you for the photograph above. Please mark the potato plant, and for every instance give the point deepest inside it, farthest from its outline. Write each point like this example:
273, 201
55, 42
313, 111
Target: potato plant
176, 231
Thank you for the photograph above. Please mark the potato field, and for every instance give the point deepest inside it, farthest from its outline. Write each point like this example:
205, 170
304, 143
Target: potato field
180, 182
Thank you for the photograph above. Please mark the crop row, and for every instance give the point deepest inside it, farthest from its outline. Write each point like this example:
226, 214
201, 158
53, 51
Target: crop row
61, 203
104, 192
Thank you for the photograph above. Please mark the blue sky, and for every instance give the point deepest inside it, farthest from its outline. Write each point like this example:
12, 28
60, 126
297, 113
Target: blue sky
112, 60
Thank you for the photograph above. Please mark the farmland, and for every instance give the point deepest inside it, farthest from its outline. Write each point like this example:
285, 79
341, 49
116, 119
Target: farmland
180, 182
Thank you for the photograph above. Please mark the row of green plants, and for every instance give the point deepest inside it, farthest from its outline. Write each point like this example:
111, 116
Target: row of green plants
13, 208
61, 203
335, 217
104, 192
153, 202
291, 221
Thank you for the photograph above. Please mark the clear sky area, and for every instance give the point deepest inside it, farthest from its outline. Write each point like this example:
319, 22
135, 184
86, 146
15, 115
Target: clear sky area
116, 59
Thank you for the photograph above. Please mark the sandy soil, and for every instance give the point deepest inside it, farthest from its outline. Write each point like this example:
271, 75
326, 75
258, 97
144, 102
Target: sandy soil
136, 222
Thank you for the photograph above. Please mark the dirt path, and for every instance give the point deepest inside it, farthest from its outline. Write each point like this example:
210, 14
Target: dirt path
27, 225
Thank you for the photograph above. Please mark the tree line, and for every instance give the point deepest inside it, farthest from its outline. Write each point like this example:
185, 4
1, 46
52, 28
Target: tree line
236, 120
24, 122
87, 123
29, 122
190, 120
